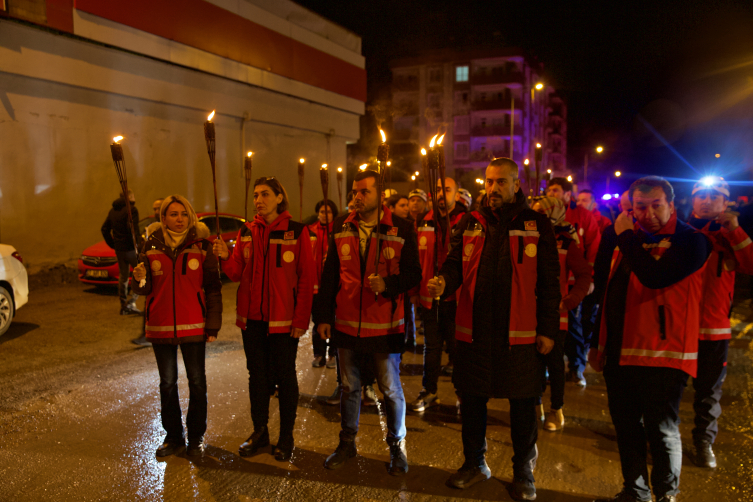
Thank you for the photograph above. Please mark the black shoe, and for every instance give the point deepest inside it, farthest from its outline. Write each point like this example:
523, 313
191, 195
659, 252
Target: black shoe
623, 496
284, 449
447, 370
667, 498
398, 459
195, 447
704, 455
335, 397
522, 489
344, 452
127, 311
319, 362
170, 448
259, 439
468, 476
141, 341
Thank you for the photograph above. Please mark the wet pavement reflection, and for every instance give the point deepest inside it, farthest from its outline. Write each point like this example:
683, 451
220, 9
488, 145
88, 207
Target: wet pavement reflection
79, 414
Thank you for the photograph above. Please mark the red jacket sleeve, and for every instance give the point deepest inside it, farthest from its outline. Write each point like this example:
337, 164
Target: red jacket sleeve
743, 249
582, 272
591, 237
306, 280
233, 266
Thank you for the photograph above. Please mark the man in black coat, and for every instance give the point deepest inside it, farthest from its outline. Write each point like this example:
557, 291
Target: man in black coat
504, 259
117, 235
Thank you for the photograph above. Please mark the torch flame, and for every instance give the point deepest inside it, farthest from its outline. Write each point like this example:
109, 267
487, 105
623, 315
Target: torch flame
439, 141
384, 136
339, 169
250, 153
301, 160
433, 141
117, 139
211, 116
423, 151
324, 166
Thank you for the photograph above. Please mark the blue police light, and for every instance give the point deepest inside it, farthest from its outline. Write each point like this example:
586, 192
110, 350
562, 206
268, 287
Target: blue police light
606, 196
616, 196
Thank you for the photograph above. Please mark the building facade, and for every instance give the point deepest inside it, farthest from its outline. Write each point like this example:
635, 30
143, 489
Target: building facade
285, 83
487, 103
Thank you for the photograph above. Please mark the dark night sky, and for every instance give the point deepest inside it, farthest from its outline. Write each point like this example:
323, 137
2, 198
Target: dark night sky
614, 61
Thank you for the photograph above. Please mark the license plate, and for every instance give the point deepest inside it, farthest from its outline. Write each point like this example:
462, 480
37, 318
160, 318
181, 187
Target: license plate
96, 273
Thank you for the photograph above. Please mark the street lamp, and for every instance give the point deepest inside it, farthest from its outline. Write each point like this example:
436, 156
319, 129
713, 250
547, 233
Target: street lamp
617, 173
599, 149
539, 86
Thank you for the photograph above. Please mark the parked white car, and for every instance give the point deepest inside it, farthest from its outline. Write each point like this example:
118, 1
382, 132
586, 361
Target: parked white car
14, 285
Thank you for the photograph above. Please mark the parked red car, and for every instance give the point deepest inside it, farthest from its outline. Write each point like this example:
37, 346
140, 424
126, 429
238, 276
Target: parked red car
99, 266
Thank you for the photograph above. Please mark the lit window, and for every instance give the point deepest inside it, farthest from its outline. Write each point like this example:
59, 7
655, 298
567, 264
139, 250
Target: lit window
461, 74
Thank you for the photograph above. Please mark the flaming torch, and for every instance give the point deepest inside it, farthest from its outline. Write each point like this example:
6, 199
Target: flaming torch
431, 164
116, 149
383, 155
301, 165
324, 177
340, 186
441, 167
247, 174
209, 137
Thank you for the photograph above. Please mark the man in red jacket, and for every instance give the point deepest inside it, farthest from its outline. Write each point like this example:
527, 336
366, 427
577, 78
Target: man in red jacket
648, 335
438, 316
576, 343
360, 305
587, 201
732, 253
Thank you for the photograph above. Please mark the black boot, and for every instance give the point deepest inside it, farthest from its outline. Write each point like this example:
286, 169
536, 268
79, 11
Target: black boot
623, 496
259, 439
398, 458
468, 476
704, 455
284, 448
344, 452
170, 447
196, 447
522, 489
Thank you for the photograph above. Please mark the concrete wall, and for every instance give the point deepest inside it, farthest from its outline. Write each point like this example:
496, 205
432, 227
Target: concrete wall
62, 99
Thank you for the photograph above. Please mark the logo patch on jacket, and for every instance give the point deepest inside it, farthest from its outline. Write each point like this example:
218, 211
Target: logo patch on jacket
289, 236
530, 225
392, 231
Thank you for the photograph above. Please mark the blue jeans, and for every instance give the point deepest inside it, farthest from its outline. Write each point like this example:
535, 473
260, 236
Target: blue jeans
167, 363
387, 370
645, 404
577, 342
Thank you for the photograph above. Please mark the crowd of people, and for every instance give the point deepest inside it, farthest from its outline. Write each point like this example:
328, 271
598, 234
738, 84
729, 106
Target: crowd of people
509, 286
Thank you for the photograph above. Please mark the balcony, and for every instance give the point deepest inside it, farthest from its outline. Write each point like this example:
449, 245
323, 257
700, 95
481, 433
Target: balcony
496, 130
499, 78
503, 104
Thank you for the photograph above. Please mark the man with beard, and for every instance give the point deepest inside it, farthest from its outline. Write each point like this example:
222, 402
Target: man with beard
438, 317
505, 263
361, 308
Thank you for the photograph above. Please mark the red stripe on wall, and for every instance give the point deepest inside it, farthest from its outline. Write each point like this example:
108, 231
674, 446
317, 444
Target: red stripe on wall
207, 27
60, 15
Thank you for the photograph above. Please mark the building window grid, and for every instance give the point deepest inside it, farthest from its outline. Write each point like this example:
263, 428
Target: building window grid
461, 74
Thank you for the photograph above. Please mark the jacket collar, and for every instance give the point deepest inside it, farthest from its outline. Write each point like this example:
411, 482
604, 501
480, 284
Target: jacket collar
703, 224
279, 222
508, 211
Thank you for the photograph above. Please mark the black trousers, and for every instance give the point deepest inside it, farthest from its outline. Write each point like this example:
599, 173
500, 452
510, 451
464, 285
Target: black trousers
645, 404
523, 430
270, 359
436, 334
126, 259
167, 364
320, 345
555, 364
712, 370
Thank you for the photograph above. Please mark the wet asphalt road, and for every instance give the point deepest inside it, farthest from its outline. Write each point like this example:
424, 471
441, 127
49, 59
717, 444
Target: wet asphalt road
79, 420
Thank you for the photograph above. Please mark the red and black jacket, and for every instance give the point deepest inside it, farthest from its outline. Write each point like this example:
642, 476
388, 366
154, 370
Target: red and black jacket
345, 299
183, 289
572, 263
732, 252
588, 230
476, 266
275, 267
652, 318
426, 235
319, 235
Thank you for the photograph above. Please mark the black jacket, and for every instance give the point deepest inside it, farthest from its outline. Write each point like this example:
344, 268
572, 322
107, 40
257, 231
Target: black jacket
115, 229
490, 366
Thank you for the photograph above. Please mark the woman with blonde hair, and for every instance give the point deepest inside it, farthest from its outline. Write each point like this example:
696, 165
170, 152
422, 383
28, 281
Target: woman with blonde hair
273, 261
178, 273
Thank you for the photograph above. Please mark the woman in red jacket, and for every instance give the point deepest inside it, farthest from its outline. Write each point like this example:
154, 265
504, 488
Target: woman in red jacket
571, 262
272, 260
178, 273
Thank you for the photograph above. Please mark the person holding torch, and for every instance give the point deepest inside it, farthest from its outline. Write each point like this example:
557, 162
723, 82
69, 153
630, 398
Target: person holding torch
273, 261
